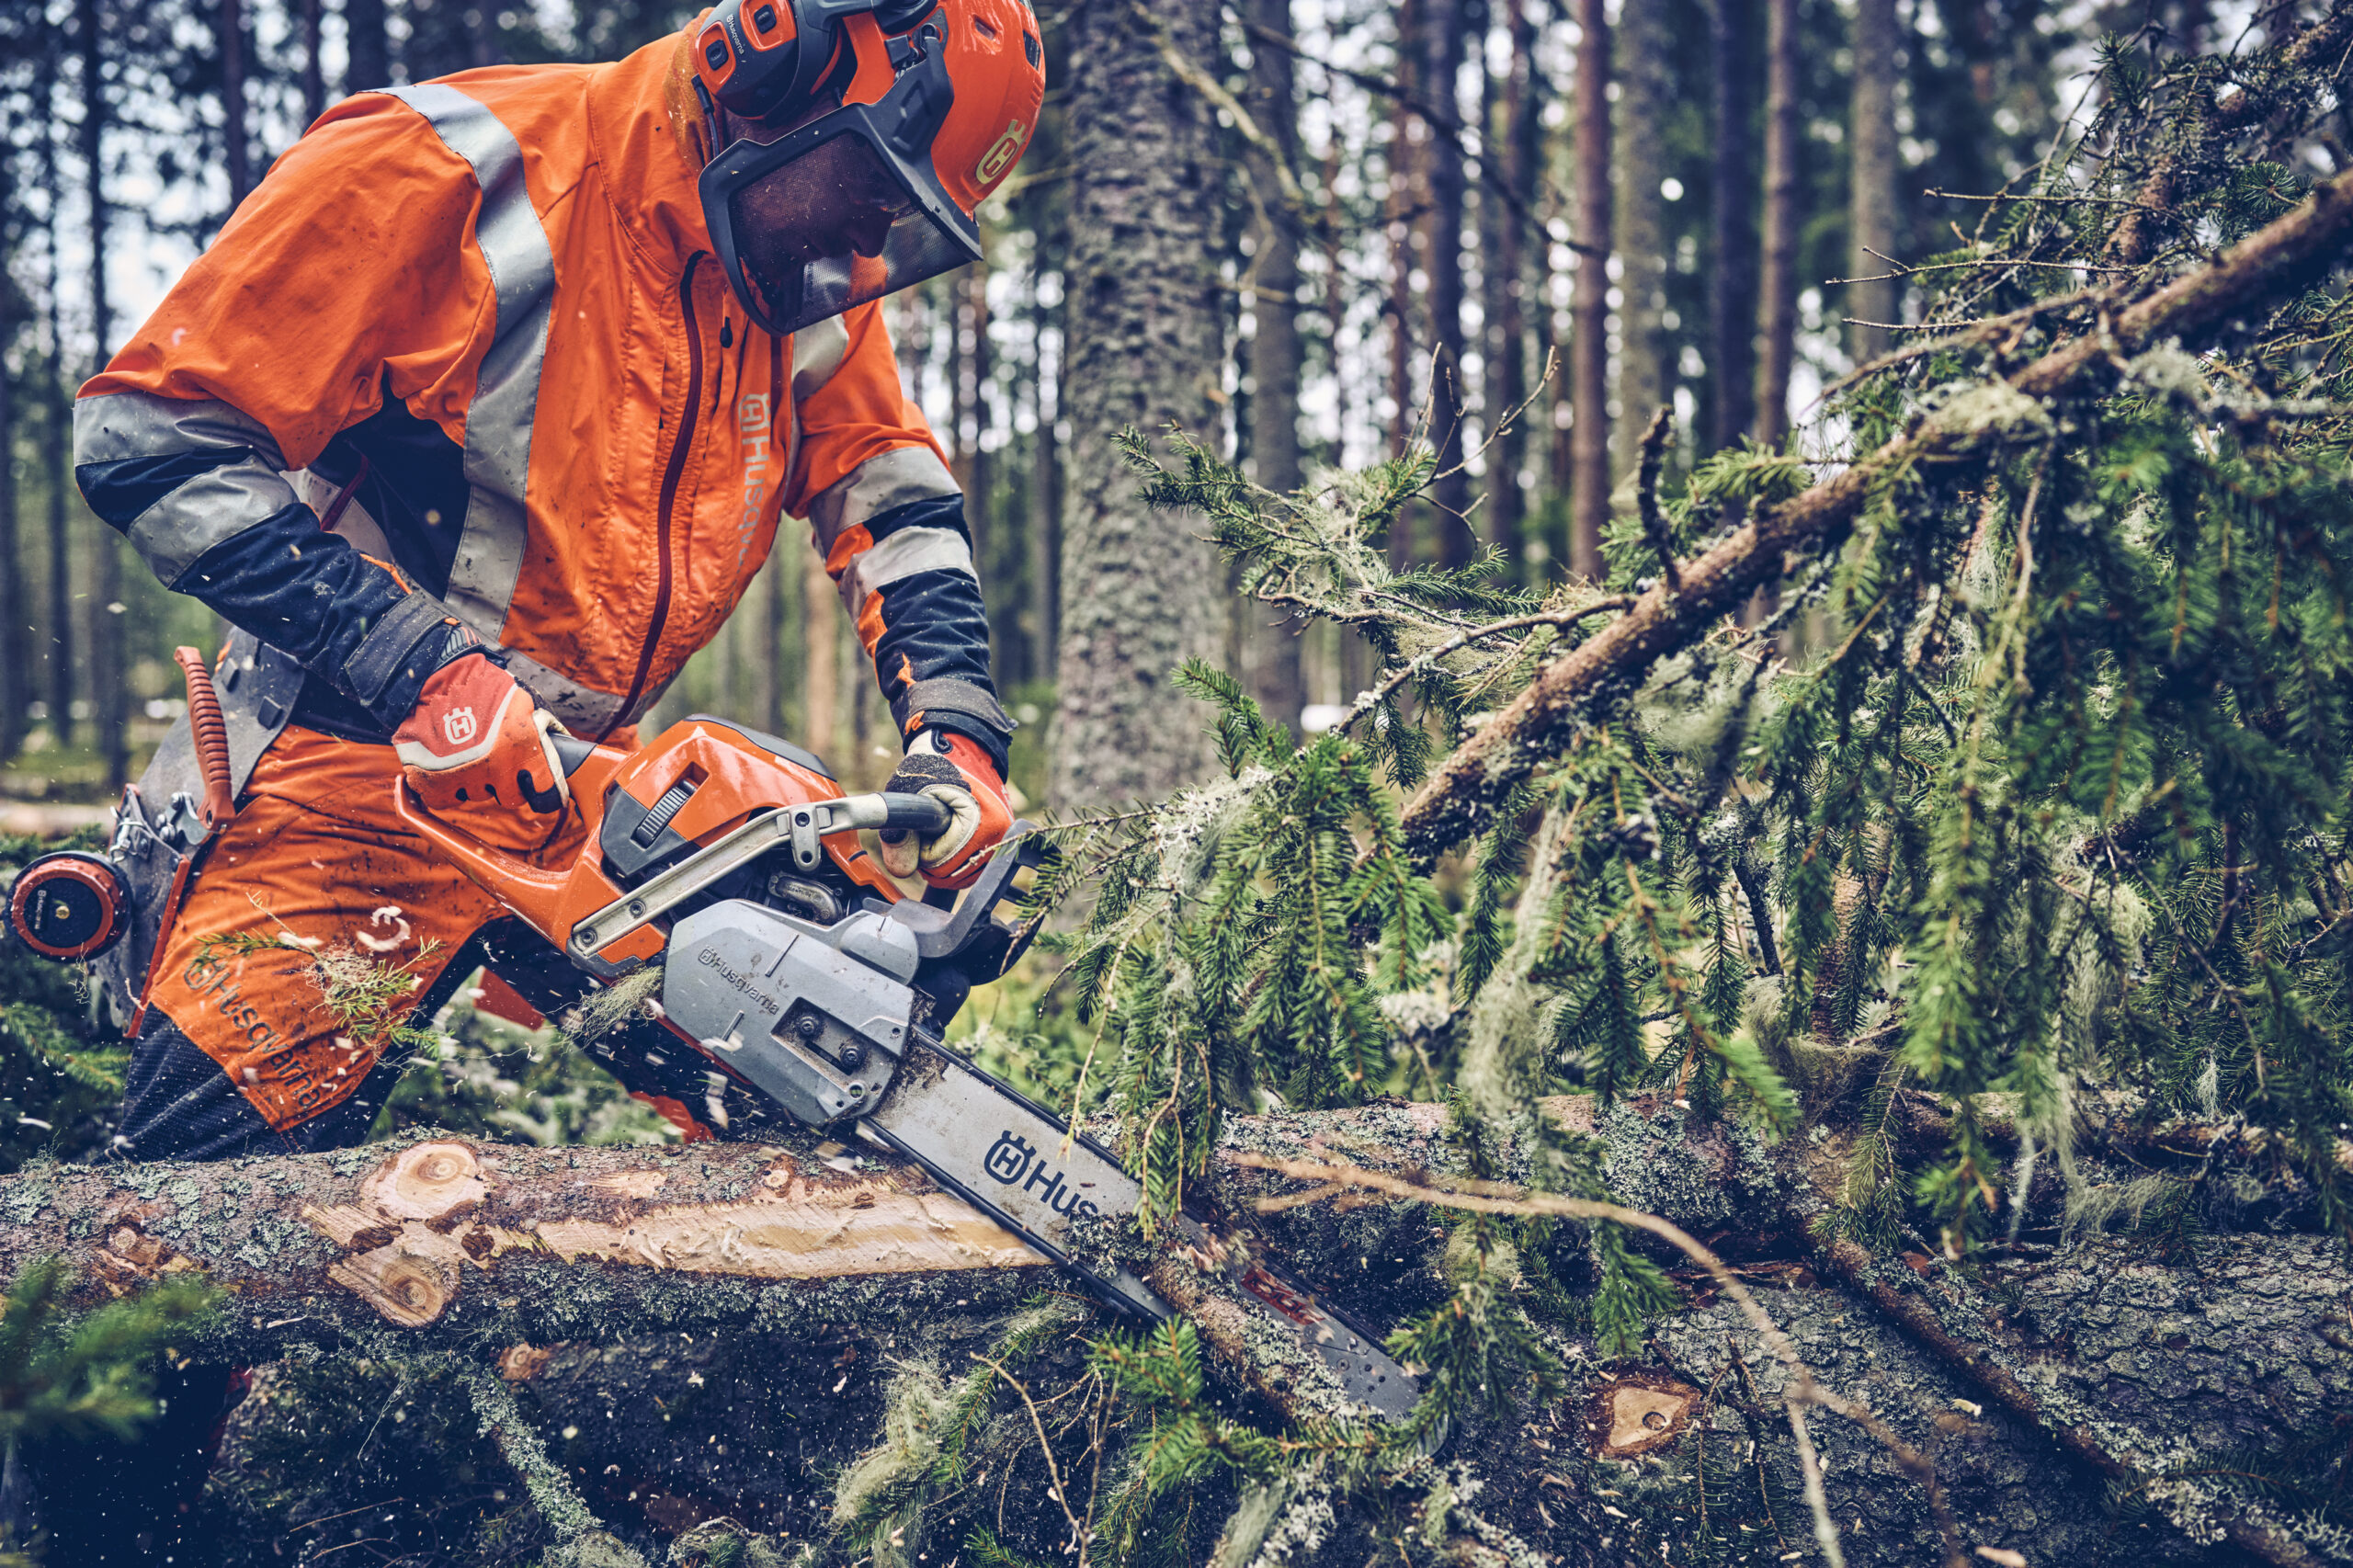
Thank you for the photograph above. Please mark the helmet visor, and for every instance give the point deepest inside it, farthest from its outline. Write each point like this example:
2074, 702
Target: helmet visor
827, 221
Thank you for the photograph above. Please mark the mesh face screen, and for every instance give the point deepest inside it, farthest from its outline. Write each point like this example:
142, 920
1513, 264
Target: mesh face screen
832, 229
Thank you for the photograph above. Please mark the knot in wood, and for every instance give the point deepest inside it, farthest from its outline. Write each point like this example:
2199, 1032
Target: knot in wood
1633, 1414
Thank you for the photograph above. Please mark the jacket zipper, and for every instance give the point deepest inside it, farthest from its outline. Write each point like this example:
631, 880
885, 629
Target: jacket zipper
680, 451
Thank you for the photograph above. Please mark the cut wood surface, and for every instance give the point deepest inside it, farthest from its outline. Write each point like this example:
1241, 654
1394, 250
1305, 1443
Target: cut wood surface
2269, 265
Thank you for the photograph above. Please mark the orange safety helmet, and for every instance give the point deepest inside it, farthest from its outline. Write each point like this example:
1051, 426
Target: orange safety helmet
867, 134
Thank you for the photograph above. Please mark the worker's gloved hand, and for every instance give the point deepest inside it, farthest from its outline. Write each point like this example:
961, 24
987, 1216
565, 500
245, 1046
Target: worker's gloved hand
477, 753
955, 771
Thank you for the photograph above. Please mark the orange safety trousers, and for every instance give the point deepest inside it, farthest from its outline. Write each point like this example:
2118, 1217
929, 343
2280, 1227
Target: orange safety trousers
315, 878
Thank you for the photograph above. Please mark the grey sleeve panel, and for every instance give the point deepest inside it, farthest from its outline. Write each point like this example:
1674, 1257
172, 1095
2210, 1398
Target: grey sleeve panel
399, 642
875, 486
206, 508
961, 698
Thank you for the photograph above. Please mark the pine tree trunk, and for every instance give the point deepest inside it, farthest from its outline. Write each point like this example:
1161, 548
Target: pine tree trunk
1873, 213
14, 685
1519, 128
1405, 214
1045, 531
314, 80
110, 687
1778, 287
1140, 592
371, 60
57, 424
236, 137
821, 616
1641, 225
1442, 40
769, 665
1589, 345
56, 437
1274, 661
1731, 284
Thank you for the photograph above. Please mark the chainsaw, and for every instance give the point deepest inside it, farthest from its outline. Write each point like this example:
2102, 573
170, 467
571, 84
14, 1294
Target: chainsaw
729, 861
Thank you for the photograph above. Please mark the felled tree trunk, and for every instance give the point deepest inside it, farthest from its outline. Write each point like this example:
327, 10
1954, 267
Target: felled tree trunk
657, 1341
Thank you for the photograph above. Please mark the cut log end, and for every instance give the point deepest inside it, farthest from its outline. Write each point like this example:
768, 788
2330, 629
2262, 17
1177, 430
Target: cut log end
425, 1181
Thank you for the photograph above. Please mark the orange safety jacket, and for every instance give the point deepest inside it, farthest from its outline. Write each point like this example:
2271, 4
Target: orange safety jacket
473, 329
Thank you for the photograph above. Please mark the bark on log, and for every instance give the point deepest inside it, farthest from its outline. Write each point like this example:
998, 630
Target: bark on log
581, 1287
2269, 265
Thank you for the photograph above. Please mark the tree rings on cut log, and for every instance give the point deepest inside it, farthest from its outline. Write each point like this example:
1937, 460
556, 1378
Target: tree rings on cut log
1631, 1416
425, 1181
404, 1285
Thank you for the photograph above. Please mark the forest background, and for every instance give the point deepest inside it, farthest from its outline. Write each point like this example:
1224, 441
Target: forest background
1399, 216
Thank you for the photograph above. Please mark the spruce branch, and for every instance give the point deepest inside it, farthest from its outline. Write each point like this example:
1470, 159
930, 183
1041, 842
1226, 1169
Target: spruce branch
2266, 268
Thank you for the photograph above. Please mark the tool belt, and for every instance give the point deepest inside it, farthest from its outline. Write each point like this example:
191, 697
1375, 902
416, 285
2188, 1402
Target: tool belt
159, 831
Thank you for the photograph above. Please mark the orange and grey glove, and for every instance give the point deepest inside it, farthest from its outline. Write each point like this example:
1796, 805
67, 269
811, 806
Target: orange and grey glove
477, 753
955, 771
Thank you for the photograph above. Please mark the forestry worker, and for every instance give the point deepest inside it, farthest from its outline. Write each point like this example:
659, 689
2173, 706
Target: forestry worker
477, 420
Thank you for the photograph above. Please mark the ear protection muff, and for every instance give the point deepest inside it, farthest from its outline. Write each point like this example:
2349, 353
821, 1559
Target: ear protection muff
768, 58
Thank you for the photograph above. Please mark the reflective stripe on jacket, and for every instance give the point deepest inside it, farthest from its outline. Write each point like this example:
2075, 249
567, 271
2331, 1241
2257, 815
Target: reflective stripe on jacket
473, 327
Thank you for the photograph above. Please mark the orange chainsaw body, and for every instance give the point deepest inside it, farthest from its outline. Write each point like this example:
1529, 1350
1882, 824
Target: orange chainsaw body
731, 777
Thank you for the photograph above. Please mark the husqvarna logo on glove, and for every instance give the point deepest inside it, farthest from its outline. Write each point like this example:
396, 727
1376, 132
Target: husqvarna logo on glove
458, 724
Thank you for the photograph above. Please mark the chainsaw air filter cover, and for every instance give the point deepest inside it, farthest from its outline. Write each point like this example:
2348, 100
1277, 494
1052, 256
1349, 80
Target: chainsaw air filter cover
70, 905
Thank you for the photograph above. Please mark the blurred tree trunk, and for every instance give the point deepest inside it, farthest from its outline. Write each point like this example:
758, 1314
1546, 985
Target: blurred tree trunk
726, 688
1640, 224
971, 293
235, 135
1145, 338
1045, 531
56, 427
1589, 338
13, 685
1779, 285
370, 47
1278, 681
1518, 127
821, 676
314, 82
1873, 200
1444, 23
109, 664
1404, 217
1732, 287
768, 658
